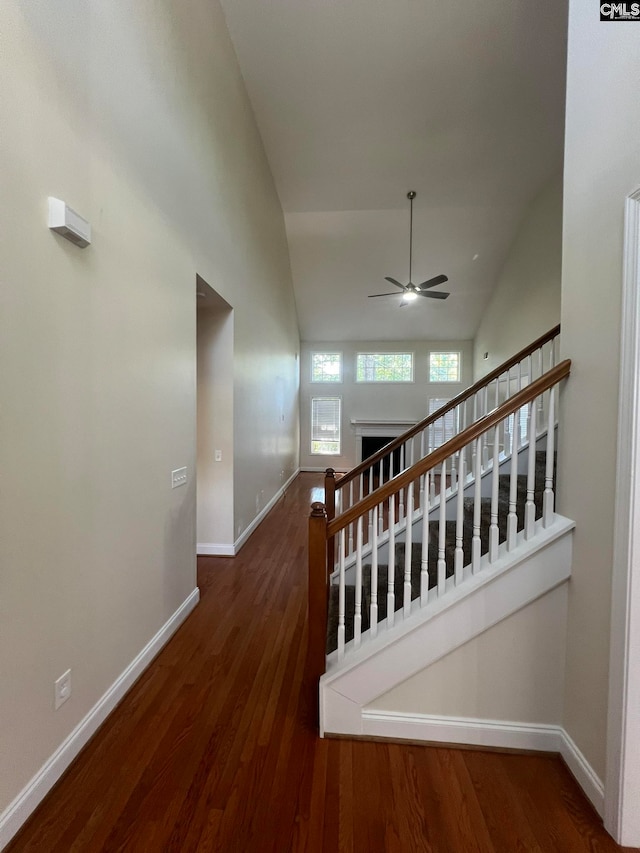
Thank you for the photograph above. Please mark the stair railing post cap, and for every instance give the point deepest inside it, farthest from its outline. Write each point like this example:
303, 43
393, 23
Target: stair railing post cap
318, 509
411, 195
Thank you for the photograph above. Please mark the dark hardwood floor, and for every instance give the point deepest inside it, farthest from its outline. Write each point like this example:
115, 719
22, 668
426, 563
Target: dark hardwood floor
213, 749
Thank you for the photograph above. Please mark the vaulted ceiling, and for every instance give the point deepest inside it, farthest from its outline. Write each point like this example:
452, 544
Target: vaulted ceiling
359, 101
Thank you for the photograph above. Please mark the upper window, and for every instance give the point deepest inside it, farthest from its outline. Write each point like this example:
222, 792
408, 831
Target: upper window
325, 425
444, 367
384, 367
326, 367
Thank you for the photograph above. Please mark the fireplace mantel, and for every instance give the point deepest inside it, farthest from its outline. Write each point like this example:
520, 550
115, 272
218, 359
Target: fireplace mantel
391, 427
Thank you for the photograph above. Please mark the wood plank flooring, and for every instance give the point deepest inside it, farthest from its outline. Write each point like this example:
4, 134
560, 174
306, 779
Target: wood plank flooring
213, 748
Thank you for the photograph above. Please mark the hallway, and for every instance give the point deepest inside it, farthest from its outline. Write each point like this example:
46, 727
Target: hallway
212, 749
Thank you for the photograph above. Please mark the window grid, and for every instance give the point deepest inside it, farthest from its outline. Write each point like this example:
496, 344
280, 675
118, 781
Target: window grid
444, 367
384, 367
325, 425
326, 367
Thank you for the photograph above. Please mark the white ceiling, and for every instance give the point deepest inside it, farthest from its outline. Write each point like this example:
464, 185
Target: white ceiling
359, 101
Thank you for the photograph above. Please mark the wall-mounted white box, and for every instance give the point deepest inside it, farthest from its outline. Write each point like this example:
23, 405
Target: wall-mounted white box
68, 223
178, 477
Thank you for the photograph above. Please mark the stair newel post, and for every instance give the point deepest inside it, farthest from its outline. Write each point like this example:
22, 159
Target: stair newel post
330, 507
424, 561
530, 507
318, 592
357, 618
494, 533
477, 507
442, 531
512, 518
391, 572
548, 498
458, 560
407, 552
373, 610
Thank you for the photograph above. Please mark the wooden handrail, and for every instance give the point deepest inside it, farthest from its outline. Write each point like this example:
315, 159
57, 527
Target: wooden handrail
458, 442
460, 398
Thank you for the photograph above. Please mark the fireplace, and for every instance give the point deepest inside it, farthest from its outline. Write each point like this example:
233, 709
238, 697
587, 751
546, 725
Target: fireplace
372, 443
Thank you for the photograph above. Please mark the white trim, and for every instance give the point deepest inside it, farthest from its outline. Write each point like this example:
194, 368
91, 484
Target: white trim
211, 549
246, 533
583, 772
34, 792
622, 817
496, 734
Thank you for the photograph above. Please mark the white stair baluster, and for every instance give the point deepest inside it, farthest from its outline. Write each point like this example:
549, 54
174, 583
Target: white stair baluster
341, 598
477, 506
381, 514
370, 478
424, 560
442, 529
373, 610
512, 518
350, 551
530, 507
357, 618
458, 561
548, 499
407, 552
485, 437
494, 533
391, 599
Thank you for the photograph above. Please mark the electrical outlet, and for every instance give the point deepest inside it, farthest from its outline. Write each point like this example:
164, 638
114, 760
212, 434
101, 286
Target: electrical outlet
217, 456
62, 689
178, 477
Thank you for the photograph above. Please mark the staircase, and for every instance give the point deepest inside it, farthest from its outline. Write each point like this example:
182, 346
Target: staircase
432, 555
403, 571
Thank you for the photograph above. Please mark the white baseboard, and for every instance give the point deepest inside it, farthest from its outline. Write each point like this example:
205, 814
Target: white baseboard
495, 734
211, 549
32, 795
246, 533
583, 772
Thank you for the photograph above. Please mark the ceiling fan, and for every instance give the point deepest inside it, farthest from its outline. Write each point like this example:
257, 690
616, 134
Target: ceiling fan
411, 291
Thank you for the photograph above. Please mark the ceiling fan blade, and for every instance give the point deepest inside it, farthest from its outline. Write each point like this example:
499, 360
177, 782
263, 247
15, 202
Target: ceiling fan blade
431, 282
435, 295
393, 281
373, 295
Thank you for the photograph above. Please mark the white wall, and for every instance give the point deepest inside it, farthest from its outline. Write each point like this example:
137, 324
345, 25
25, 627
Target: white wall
602, 166
215, 428
136, 115
526, 301
362, 400
514, 671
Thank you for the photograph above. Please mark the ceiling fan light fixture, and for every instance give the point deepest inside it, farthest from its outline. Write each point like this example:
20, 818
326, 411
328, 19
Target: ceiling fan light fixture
410, 296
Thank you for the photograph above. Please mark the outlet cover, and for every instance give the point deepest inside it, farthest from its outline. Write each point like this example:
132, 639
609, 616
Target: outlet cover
62, 689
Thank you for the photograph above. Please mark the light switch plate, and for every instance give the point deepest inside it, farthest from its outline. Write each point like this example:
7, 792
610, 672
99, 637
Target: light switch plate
178, 477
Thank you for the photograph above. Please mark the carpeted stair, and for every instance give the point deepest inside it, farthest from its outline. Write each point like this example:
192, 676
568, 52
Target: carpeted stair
416, 554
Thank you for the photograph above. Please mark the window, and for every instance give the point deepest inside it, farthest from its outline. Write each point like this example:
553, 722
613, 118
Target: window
384, 367
325, 425
444, 428
326, 367
444, 367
